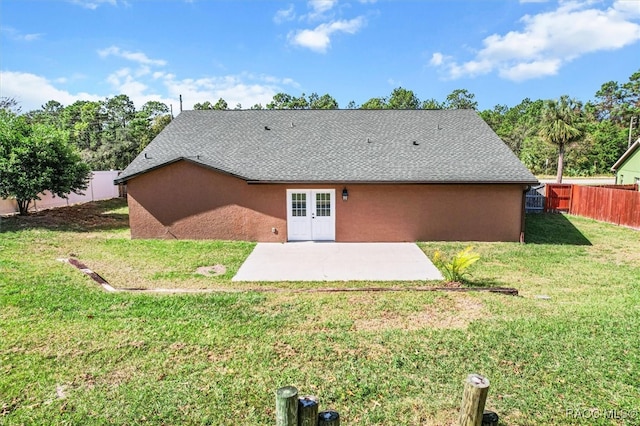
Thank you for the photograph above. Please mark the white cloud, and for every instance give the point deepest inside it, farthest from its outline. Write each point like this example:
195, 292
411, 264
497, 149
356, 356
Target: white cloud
318, 10
142, 83
321, 6
525, 71
32, 91
437, 59
246, 89
16, 35
630, 8
138, 57
318, 39
549, 40
284, 15
94, 4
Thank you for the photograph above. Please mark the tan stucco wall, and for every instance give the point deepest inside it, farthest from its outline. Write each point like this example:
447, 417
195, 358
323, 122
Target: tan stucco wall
187, 201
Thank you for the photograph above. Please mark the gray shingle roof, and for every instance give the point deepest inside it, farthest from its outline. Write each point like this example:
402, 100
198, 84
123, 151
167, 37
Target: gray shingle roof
427, 146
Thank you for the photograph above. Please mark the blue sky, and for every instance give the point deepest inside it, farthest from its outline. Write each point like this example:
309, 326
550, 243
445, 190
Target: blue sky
246, 51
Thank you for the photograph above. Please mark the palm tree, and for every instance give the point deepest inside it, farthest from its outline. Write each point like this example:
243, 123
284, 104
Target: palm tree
559, 126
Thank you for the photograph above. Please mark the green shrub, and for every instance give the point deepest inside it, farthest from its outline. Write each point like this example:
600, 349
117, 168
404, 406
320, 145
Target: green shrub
456, 269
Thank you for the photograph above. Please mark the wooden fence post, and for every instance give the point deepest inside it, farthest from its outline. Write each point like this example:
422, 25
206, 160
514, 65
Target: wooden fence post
308, 410
329, 418
287, 406
474, 397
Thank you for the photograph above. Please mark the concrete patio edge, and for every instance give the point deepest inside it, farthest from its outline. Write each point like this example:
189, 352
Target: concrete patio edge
330, 261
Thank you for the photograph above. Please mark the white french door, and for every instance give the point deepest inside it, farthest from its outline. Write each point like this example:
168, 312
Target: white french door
311, 214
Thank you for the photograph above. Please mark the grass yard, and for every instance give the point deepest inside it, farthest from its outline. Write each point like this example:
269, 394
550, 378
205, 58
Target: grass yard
73, 354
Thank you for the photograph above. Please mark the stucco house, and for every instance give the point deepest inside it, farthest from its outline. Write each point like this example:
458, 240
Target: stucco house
627, 168
336, 175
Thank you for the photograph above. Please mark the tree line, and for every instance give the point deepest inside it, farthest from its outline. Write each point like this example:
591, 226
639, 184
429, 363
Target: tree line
546, 135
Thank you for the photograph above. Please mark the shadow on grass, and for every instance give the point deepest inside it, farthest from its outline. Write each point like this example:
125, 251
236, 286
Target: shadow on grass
87, 217
552, 228
470, 282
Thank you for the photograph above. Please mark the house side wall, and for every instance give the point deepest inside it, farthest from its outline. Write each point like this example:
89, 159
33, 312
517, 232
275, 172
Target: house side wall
186, 201
430, 213
630, 170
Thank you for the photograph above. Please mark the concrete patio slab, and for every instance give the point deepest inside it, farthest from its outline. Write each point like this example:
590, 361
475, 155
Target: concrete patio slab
328, 261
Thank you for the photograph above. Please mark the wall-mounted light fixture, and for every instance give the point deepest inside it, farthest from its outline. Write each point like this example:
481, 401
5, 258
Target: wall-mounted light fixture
345, 194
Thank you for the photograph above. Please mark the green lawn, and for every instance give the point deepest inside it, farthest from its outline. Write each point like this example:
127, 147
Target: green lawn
71, 353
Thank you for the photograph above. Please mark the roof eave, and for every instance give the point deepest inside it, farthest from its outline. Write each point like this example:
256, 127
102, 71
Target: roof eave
394, 182
172, 161
626, 155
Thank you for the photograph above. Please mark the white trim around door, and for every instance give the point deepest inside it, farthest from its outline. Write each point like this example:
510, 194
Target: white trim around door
311, 214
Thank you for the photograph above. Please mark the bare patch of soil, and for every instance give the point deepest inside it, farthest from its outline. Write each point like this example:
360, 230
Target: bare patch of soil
453, 312
83, 217
211, 271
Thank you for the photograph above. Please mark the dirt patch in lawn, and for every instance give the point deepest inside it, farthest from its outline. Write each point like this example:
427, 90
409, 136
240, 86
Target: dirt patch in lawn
378, 311
456, 311
79, 217
211, 271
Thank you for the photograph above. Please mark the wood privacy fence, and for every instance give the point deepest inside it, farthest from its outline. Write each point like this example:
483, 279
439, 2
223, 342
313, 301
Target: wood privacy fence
557, 197
534, 199
618, 204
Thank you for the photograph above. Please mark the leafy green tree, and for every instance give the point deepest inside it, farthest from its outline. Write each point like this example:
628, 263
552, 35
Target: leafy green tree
605, 143
322, 102
286, 101
516, 124
50, 113
559, 126
9, 104
461, 99
609, 102
36, 158
631, 92
280, 101
85, 121
537, 155
221, 105
375, 103
120, 110
432, 104
203, 106
403, 99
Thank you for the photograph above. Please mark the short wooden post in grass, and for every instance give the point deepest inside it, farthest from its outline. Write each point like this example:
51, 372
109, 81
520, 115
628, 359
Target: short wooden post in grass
308, 410
287, 406
474, 397
329, 418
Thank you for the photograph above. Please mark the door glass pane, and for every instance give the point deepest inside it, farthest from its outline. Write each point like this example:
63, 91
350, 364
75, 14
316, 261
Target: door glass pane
298, 205
323, 204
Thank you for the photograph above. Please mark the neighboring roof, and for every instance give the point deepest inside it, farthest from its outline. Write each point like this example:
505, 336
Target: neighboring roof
373, 146
628, 153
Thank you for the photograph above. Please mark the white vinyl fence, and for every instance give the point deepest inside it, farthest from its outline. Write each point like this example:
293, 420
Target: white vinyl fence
100, 187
